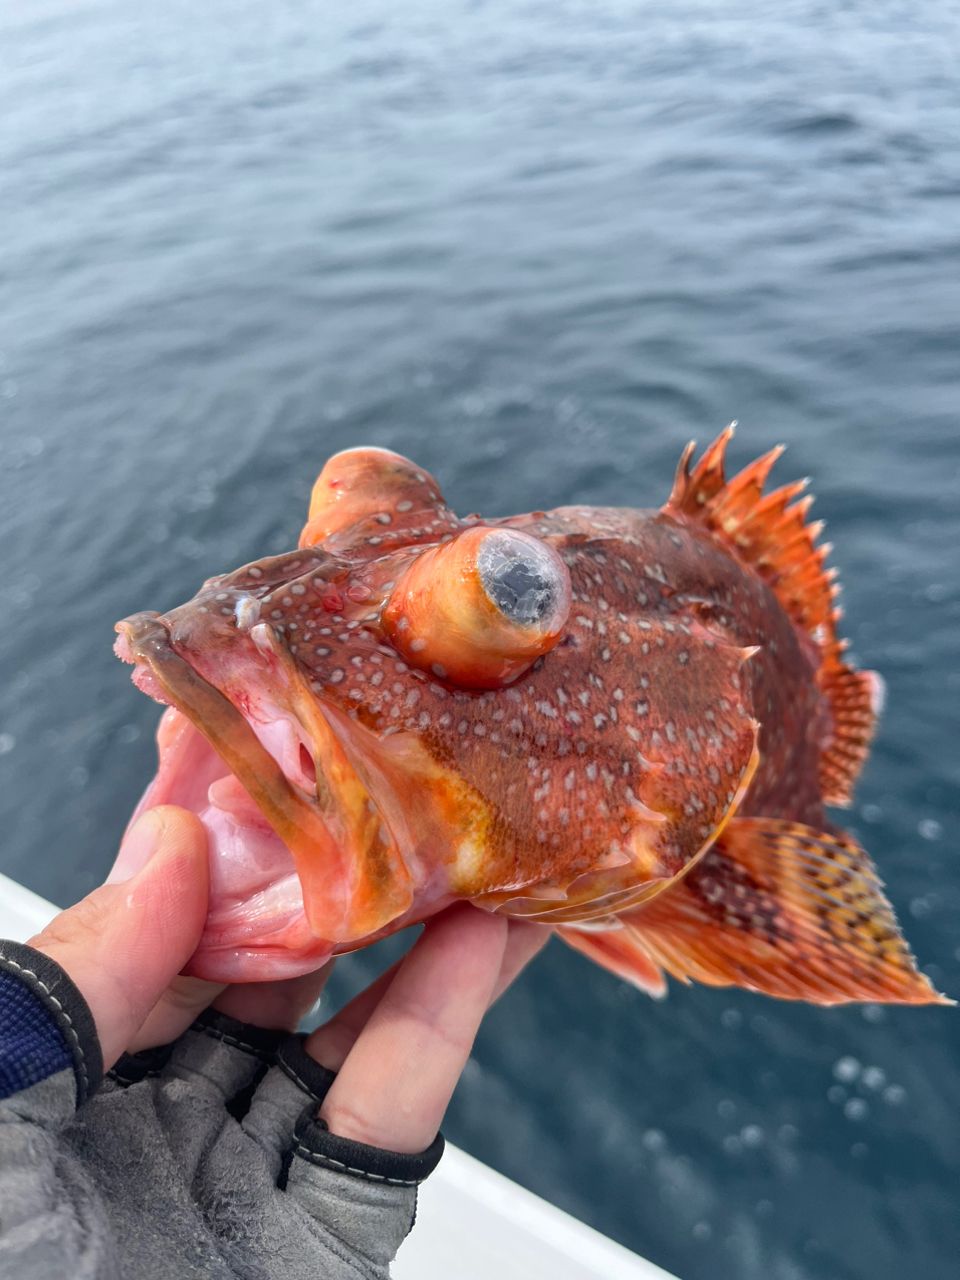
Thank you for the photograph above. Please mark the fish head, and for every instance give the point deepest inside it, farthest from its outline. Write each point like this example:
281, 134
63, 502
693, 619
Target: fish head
417, 708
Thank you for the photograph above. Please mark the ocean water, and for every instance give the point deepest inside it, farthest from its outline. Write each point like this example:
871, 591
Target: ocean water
536, 246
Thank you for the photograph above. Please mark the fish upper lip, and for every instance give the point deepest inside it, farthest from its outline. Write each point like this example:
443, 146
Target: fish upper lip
329, 862
294, 816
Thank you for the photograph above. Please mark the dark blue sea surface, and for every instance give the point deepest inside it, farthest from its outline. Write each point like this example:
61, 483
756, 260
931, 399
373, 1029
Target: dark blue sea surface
536, 246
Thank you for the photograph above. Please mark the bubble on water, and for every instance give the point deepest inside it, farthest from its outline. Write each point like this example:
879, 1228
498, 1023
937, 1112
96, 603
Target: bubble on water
846, 1069
873, 1013
726, 1108
874, 1077
473, 404
836, 1093
190, 549
920, 908
930, 829
731, 1019
871, 813
654, 1140
128, 733
856, 1109
788, 1133
701, 1231
7, 743
751, 1135
22, 591
202, 498
732, 1144
895, 1094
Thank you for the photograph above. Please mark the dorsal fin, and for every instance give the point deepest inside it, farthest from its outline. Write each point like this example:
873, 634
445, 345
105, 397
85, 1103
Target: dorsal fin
771, 533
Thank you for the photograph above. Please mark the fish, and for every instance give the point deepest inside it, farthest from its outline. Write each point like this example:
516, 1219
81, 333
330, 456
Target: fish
624, 725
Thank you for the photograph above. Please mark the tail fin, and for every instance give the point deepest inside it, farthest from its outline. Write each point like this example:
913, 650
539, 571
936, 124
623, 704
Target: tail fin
775, 907
771, 533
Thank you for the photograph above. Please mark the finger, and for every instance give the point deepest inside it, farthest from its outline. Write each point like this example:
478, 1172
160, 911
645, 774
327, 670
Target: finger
397, 1080
331, 1043
179, 1005
125, 943
280, 1005
524, 941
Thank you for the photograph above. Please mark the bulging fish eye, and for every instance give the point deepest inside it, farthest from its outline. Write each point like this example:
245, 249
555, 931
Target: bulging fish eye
480, 609
520, 576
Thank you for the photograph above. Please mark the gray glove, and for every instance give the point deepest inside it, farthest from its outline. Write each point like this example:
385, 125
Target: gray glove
202, 1158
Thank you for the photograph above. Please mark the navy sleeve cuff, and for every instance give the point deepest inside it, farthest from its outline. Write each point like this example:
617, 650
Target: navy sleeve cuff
45, 1024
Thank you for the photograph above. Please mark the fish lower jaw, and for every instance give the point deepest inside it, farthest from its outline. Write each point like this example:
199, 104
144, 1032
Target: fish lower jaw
299, 853
256, 928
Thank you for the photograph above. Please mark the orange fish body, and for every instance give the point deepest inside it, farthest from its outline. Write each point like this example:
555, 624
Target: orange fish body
623, 724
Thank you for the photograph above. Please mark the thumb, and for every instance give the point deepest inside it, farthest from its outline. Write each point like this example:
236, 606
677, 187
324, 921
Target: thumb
124, 943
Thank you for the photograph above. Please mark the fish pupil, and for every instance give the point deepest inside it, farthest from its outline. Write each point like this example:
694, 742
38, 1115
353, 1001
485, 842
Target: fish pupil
520, 591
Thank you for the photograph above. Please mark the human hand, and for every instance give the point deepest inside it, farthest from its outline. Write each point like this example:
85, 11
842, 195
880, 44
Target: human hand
399, 1048
298, 1156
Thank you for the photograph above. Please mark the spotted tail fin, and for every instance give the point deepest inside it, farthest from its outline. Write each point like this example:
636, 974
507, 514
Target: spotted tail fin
772, 534
779, 908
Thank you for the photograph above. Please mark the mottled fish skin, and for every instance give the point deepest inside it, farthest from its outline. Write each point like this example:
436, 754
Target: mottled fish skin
688, 671
618, 755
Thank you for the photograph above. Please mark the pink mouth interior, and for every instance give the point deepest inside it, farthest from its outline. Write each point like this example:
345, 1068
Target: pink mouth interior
256, 929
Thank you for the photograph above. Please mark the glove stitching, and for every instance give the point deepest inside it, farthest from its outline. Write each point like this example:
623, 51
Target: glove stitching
315, 1157
68, 1030
291, 1074
237, 1043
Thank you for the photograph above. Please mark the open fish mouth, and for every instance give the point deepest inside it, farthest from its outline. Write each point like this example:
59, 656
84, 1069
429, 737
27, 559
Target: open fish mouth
285, 858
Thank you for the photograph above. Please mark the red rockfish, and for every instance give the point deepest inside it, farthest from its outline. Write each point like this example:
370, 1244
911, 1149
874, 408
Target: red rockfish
622, 724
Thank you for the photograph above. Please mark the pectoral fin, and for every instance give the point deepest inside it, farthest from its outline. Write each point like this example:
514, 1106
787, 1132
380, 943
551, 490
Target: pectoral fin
784, 909
617, 947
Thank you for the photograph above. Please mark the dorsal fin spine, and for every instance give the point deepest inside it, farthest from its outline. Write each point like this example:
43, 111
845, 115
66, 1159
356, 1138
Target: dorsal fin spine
772, 534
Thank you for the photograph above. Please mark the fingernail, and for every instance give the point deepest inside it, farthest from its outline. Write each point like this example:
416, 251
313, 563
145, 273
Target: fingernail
137, 848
